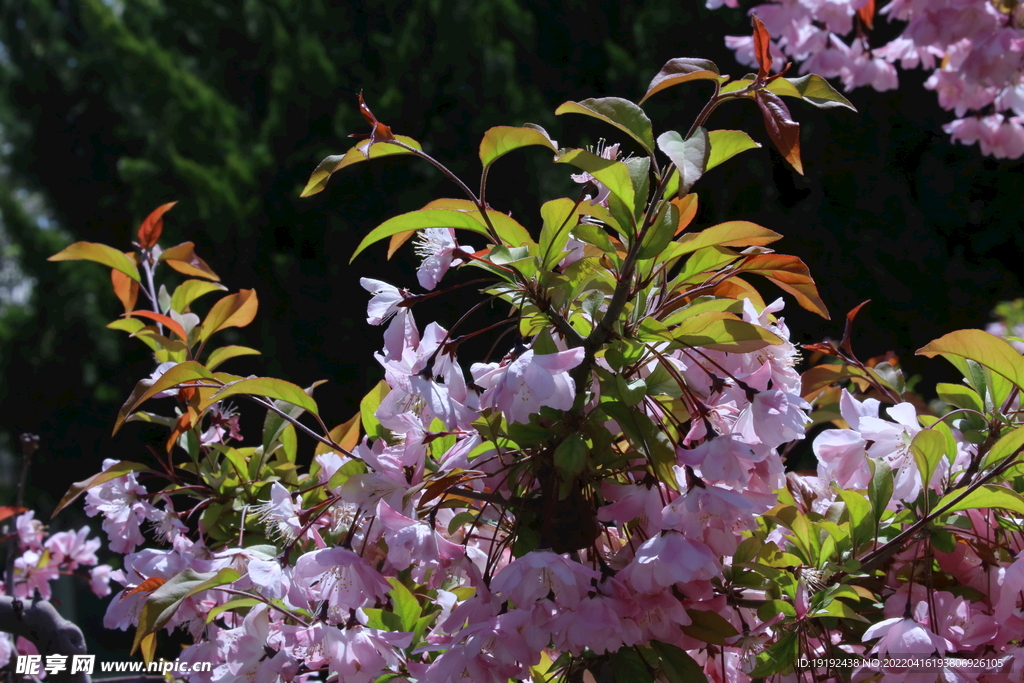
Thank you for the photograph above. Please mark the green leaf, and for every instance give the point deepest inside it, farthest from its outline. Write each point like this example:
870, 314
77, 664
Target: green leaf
190, 290
571, 456
816, 90
333, 164
559, 217
406, 607
983, 498
928, 448
880, 487
722, 331
274, 424
690, 155
368, 406
344, 473
593, 234
986, 349
501, 140
647, 439
677, 665
162, 603
219, 355
681, 70
269, 387
100, 253
710, 627
729, 234
661, 232
1007, 445
725, 144
224, 576
613, 174
116, 470
147, 388
230, 605
623, 114
862, 522
778, 656
628, 667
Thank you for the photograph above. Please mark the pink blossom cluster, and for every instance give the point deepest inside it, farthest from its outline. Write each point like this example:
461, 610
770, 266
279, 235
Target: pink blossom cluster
974, 49
42, 559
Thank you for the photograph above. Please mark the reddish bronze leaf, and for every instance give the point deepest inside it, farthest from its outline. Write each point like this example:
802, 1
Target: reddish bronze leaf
762, 49
171, 324
147, 586
846, 344
379, 132
782, 129
789, 273
153, 226
9, 511
867, 15
126, 289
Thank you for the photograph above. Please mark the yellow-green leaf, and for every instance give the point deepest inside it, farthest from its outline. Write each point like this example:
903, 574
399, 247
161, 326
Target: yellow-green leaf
147, 388
333, 164
725, 144
100, 253
345, 435
1006, 445
118, 469
816, 90
190, 290
269, 387
730, 234
613, 174
722, 331
218, 356
501, 140
986, 349
928, 448
621, 113
417, 220
983, 498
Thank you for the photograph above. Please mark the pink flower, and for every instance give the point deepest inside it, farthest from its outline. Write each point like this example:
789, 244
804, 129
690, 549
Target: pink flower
533, 576
33, 573
899, 636
99, 580
344, 580
30, 531
601, 623
386, 300
668, 559
361, 655
438, 248
417, 545
528, 383
73, 548
611, 152
280, 514
123, 505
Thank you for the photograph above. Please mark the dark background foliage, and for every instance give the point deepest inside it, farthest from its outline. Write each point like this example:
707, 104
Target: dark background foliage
110, 108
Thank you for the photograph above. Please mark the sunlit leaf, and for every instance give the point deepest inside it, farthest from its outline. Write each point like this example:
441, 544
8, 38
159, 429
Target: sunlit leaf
183, 259
729, 234
623, 114
1007, 445
269, 387
183, 372
501, 140
762, 48
99, 253
687, 206
614, 174
725, 144
984, 498
789, 273
985, 349
345, 435
928, 447
723, 332
681, 70
162, 603
418, 220
190, 290
333, 164
234, 310
116, 470
166, 321
125, 289
219, 355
